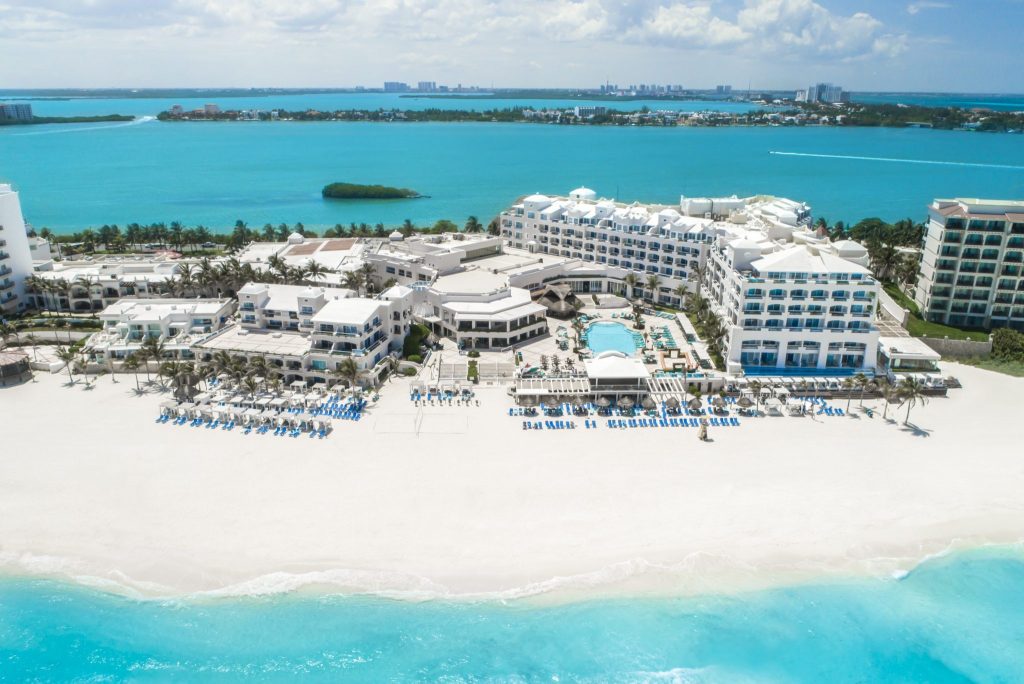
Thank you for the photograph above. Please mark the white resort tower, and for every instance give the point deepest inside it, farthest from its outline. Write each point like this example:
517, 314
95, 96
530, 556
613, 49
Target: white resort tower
15, 253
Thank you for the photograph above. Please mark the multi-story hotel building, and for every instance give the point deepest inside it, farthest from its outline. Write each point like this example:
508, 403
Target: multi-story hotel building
971, 265
669, 243
177, 323
803, 308
91, 286
15, 253
307, 331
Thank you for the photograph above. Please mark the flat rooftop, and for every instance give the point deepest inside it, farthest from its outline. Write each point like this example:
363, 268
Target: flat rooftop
275, 343
473, 280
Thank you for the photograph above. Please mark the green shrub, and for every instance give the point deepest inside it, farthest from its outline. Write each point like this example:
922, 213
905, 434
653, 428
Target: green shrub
1008, 344
473, 354
408, 372
415, 358
417, 333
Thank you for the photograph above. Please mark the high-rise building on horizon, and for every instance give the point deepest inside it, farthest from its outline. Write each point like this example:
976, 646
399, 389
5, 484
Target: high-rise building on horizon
824, 93
395, 87
15, 112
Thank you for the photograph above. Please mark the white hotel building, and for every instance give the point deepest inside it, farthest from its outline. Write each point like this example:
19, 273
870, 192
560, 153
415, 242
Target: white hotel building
177, 323
15, 253
669, 242
800, 308
972, 264
307, 331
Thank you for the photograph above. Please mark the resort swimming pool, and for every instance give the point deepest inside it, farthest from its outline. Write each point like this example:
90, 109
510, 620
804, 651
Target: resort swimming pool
609, 336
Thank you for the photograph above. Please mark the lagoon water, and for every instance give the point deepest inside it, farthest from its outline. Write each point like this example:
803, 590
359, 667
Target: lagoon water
953, 619
76, 176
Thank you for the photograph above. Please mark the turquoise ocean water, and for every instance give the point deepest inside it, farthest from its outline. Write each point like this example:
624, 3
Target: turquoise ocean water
76, 176
954, 619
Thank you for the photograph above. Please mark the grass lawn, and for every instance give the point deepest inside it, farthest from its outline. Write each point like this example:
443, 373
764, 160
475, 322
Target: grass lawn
918, 327
1014, 368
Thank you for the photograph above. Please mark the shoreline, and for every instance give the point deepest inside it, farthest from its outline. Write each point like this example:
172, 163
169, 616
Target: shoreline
474, 509
628, 581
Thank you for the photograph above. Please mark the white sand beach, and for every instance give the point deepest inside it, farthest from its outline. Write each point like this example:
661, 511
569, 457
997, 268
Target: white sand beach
92, 489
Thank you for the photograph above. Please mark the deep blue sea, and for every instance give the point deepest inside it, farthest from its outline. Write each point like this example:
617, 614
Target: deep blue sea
953, 619
76, 176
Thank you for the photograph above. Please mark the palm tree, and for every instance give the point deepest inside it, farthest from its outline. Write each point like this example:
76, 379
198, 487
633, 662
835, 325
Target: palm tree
885, 257
368, 272
911, 391
131, 363
755, 388
82, 368
67, 355
6, 329
258, 367
473, 225
653, 283
848, 385
348, 371
185, 281
155, 348
631, 280
250, 385
353, 280
681, 291
888, 393
168, 369
315, 271
33, 342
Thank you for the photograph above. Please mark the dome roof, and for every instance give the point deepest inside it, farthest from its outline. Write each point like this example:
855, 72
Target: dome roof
396, 236
295, 239
583, 193
537, 198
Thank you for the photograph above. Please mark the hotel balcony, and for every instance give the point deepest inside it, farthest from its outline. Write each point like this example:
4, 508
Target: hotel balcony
6, 285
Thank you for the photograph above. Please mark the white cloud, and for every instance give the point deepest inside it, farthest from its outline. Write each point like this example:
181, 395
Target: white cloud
462, 35
916, 7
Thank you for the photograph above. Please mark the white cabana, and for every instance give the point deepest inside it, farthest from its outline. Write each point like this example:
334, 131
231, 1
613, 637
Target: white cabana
278, 402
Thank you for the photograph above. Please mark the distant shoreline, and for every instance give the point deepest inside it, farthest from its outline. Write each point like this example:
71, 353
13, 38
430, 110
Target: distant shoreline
781, 114
37, 120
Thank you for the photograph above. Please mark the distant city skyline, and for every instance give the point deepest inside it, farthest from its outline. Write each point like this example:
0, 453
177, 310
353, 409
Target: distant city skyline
922, 45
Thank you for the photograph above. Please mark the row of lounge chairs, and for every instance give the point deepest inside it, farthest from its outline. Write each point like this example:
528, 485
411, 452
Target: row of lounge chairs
620, 423
549, 424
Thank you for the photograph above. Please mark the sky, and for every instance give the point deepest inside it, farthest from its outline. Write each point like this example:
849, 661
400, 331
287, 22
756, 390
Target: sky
886, 45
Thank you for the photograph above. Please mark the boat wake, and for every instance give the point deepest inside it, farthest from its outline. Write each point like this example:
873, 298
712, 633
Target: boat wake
85, 127
896, 160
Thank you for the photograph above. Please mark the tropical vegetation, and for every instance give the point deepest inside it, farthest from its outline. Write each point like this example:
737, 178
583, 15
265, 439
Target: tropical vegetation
358, 191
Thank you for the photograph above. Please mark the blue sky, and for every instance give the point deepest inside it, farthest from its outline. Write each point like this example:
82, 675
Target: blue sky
922, 45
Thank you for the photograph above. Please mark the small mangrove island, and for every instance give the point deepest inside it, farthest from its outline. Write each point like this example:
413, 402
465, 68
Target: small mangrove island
357, 191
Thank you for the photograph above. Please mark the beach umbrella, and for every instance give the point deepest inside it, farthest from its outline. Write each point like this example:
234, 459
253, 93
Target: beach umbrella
528, 401
576, 401
694, 405
672, 402
648, 403
626, 403
744, 402
604, 402
719, 402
